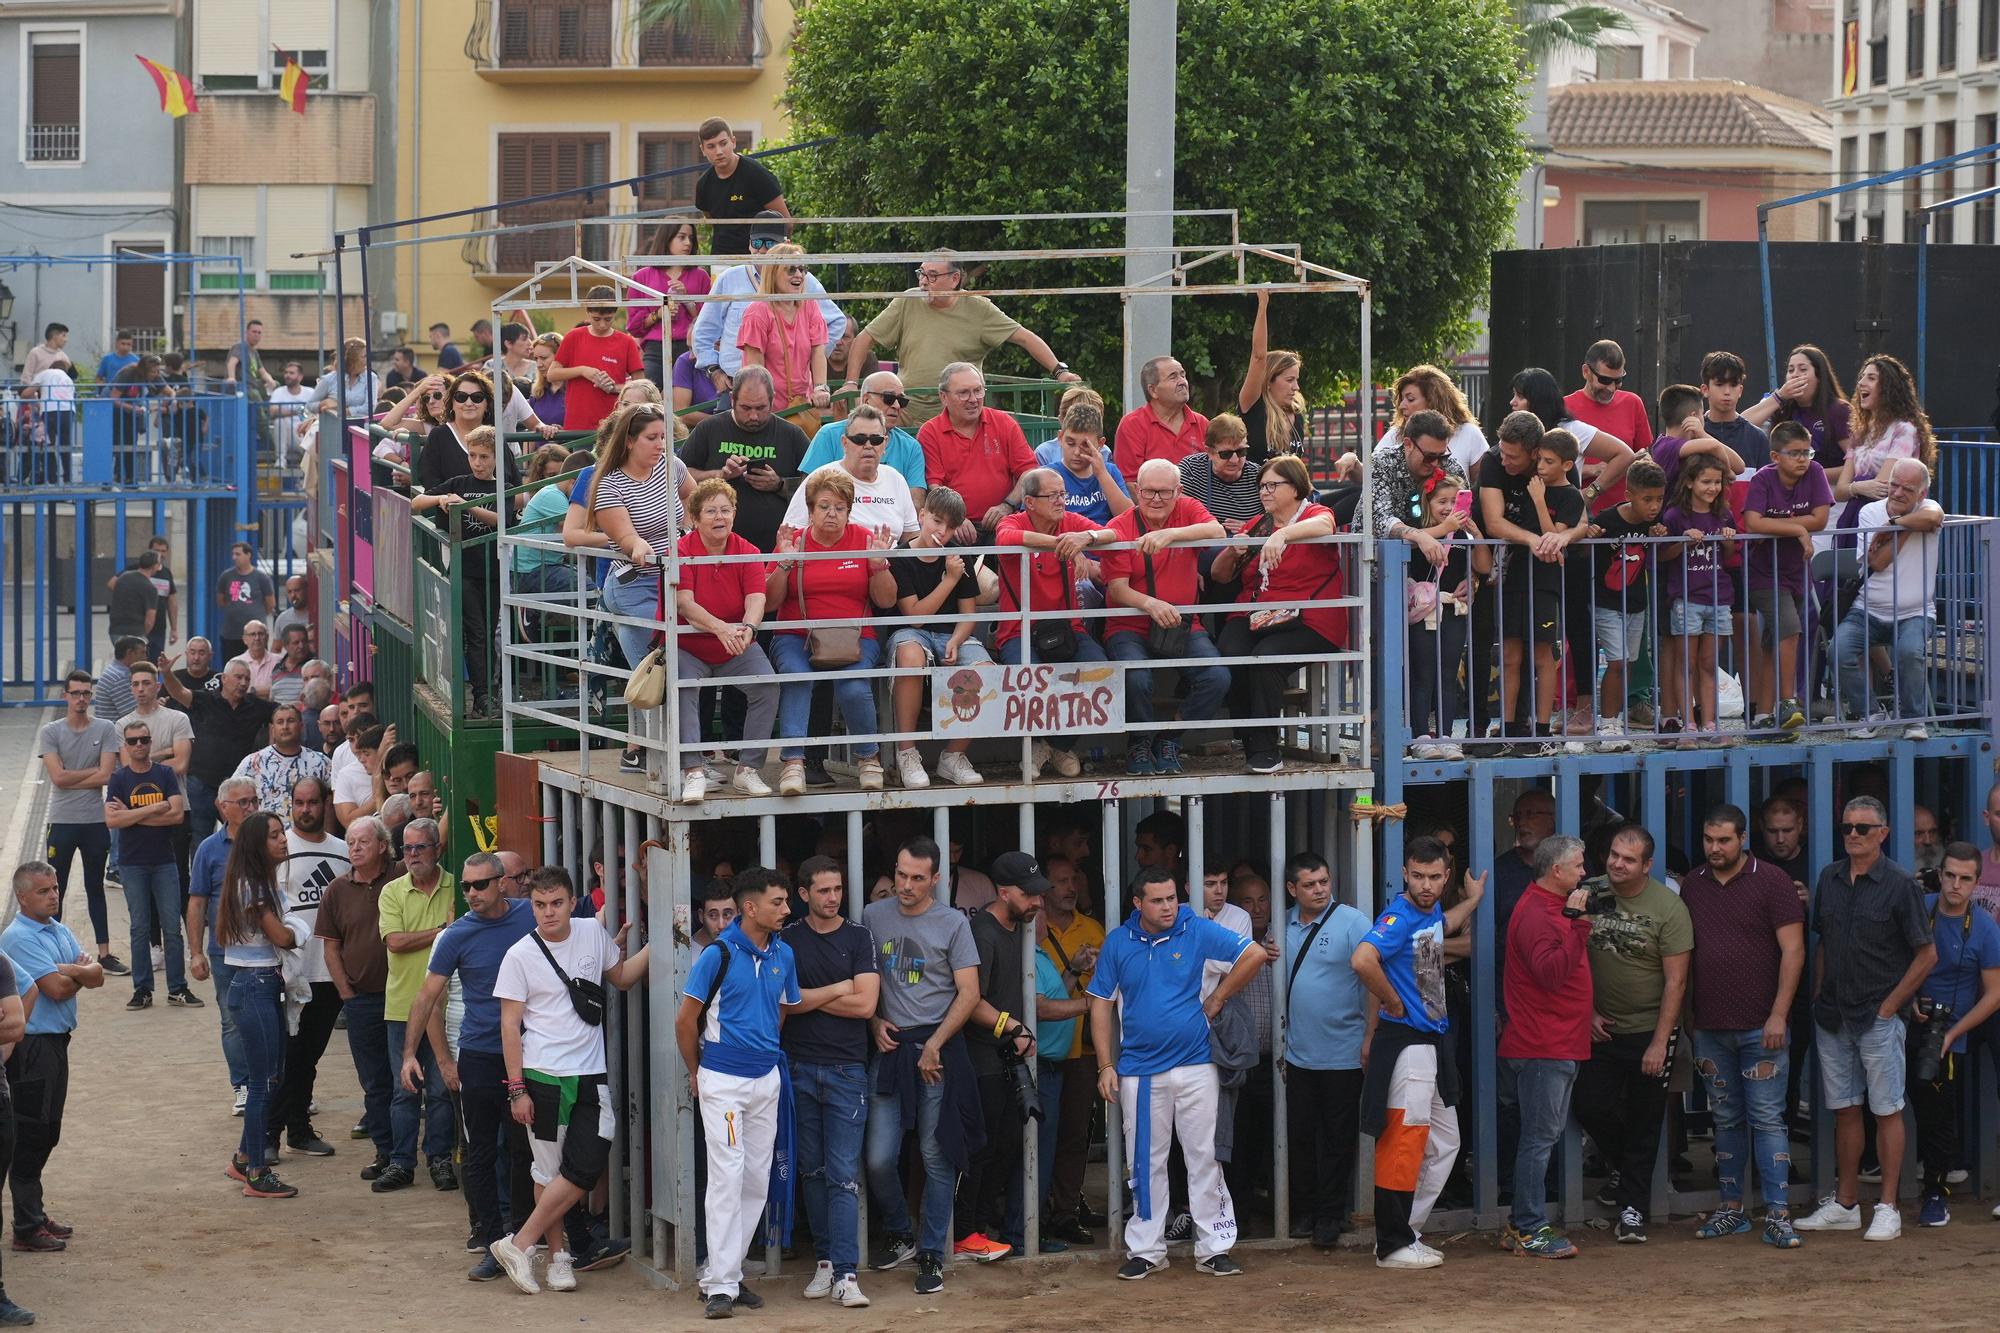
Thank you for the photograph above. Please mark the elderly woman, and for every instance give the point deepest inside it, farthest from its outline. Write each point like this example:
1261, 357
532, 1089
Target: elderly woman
633, 501
1279, 578
786, 334
803, 593
721, 606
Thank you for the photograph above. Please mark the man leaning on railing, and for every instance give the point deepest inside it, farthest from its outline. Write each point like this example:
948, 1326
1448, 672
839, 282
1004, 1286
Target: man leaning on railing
1899, 540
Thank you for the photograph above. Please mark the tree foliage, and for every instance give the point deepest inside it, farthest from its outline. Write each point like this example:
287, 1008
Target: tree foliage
1548, 27
1380, 135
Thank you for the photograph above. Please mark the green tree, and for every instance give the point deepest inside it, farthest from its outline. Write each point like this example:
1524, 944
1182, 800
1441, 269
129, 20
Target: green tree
1546, 28
1381, 135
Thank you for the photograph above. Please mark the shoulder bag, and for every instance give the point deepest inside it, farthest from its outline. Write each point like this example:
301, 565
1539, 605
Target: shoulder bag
1055, 640
831, 648
586, 996
1162, 640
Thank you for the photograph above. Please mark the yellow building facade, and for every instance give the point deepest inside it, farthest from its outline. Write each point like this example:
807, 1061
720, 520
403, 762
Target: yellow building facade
501, 99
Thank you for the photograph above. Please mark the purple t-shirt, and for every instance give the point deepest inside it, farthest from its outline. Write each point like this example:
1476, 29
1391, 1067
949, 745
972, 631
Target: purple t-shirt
1770, 497
1667, 453
686, 378
1827, 431
1698, 575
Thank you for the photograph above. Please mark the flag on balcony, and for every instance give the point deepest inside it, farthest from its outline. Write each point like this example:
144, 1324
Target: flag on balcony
176, 90
292, 87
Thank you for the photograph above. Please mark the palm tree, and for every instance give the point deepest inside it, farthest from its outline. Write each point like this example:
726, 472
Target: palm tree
1547, 28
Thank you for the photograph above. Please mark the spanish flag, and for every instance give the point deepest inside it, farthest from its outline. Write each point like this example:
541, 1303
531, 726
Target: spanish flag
176, 90
292, 87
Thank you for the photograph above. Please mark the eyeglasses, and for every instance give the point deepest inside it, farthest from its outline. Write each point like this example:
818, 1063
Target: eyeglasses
1149, 493
468, 398
891, 399
1227, 454
80, 694
1273, 486
1794, 453
868, 441
1858, 830
1608, 381
420, 846
934, 275
473, 883
1041, 495
795, 268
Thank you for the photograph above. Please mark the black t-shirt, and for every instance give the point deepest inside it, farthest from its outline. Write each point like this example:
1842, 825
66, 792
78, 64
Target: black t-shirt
1515, 505
209, 683
1566, 509
999, 981
845, 952
918, 578
132, 596
1257, 421
1623, 574
777, 443
223, 735
485, 493
748, 192
443, 458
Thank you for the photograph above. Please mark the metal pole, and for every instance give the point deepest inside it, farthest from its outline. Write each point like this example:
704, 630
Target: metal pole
1764, 281
1149, 178
1923, 300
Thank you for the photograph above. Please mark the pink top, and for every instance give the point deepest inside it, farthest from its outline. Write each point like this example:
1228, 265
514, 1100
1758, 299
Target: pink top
694, 280
787, 349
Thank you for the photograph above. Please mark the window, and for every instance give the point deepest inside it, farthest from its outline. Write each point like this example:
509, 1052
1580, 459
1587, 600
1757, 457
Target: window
1947, 35
535, 164
1878, 44
1944, 142
1635, 221
1989, 29
1850, 163
665, 152
312, 62
1619, 62
1987, 176
1878, 165
712, 42
54, 131
1913, 189
214, 278
1913, 40
298, 282
545, 33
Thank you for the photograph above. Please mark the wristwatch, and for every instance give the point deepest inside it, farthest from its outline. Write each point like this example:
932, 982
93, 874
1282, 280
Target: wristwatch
1059, 368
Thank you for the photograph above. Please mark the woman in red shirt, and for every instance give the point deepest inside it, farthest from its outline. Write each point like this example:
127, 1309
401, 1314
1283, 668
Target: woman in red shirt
809, 593
1279, 577
721, 606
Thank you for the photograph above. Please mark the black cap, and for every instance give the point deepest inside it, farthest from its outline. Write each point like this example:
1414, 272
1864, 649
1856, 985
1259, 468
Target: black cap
769, 225
1020, 870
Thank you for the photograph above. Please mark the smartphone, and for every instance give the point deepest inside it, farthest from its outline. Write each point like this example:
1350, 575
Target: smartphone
1463, 504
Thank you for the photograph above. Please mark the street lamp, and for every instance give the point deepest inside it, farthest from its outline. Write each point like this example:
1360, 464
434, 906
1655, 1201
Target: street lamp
6, 303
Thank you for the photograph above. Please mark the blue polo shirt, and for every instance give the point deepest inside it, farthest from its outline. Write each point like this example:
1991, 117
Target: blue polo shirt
902, 453
211, 858
1158, 980
1411, 944
1325, 1019
37, 949
740, 1034
473, 945
1055, 1035
1966, 946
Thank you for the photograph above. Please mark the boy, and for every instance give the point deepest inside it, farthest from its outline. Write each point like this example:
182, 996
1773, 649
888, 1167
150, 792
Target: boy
1623, 584
1560, 511
934, 585
1682, 435
1788, 502
480, 572
1722, 389
1092, 484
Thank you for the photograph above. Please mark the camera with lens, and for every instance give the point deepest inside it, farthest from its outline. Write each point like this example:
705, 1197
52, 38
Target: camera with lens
1928, 1064
1020, 1081
1603, 900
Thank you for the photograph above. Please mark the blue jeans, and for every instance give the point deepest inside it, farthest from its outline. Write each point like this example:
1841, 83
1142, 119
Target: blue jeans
434, 1104
830, 1110
885, 1157
1856, 634
546, 578
368, 1043
1746, 1087
1206, 686
854, 695
1864, 1062
1541, 1091
1087, 650
202, 819
232, 1040
639, 598
153, 899
257, 996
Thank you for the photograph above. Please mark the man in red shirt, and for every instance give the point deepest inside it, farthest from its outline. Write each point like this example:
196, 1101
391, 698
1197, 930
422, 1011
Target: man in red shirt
593, 361
976, 450
1165, 426
1055, 538
1162, 580
1550, 1001
1605, 403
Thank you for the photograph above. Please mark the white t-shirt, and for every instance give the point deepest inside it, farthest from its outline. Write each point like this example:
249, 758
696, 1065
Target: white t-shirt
553, 1039
352, 785
288, 403
884, 503
1467, 444
55, 391
1906, 588
1230, 917
308, 872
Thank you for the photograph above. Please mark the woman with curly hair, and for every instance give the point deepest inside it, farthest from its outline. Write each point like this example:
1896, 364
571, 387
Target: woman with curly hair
1889, 423
1425, 388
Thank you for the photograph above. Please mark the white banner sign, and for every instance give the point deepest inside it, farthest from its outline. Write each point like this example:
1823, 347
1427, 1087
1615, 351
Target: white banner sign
985, 699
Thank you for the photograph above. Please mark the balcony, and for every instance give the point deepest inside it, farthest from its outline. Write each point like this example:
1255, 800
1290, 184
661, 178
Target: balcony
333, 143
55, 143
558, 41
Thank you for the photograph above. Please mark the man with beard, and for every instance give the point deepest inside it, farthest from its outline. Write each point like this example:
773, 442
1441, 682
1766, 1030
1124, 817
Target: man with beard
349, 930
315, 859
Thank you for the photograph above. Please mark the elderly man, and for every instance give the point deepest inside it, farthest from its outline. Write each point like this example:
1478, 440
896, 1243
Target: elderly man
1899, 543
882, 498
349, 931
937, 324
753, 450
716, 355
882, 391
1160, 580
978, 451
413, 912
281, 763
1401, 473
226, 724
257, 656
200, 672
1164, 427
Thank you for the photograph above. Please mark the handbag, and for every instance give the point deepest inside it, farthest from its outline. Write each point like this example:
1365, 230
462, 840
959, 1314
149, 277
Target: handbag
831, 648
647, 686
1163, 640
586, 996
1055, 640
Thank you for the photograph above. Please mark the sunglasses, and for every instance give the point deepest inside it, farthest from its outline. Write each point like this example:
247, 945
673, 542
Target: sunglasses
1232, 453
468, 398
1608, 381
138, 740
1430, 457
868, 441
1858, 830
474, 883
436, 396
795, 268
893, 399
420, 846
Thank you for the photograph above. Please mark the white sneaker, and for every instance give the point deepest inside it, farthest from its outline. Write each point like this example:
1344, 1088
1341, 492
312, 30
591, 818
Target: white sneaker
1872, 728
562, 1272
1830, 1216
1886, 1224
1423, 749
243, 1100
1955, 1176
519, 1264
748, 782
1038, 757
847, 1292
1916, 731
1447, 750
1611, 734
694, 786
822, 1284
1430, 1249
792, 779
869, 771
956, 768
1996, 1212
1067, 764
1410, 1256
910, 769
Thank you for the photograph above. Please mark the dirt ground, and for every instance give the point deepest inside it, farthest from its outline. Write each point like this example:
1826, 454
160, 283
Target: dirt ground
165, 1243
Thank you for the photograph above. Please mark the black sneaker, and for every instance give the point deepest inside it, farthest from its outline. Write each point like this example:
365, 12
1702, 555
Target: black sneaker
114, 966
1132, 1270
603, 1253
1607, 1193
634, 761
141, 999
748, 1299
1090, 1217
816, 774
1631, 1229
13, 1316
1068, 1230
57, 1229
1219, 1265
1180, 1228
184, 999
374, 1170
718, 1306
896, 1251
312, 1145
392, 1177
39, 1241
930, 1273
442, 1175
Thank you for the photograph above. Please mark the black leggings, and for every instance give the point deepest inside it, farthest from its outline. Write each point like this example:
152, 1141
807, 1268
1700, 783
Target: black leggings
1256, 691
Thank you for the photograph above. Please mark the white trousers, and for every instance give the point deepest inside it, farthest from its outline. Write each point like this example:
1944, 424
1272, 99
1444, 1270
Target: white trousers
739, 1118
1413, 1090
1183, 1105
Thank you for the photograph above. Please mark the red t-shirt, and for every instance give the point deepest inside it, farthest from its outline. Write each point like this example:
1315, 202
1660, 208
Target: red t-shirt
1624, 417
834, 589
1307, 574
983, 468
1549, 990
1048, 577
719, 590
616, 354
1176, 570
1141, 438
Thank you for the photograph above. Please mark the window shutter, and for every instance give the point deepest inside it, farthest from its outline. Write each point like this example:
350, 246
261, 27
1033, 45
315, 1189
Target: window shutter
57, 74
532, 164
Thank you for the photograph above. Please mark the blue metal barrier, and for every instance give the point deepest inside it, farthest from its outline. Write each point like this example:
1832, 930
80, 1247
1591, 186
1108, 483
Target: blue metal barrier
1968, 473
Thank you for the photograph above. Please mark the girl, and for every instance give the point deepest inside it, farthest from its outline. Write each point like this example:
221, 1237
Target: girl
1274, 411
546, 398
787, 335
1438, 603
1698, 593
250, 923
659, 329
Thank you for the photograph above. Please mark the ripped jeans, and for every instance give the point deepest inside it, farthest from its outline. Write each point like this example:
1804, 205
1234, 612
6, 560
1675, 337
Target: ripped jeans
1746, 1085
830, 1109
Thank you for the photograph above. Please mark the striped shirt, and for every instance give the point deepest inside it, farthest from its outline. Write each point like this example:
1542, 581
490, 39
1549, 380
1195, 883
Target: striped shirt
1230, 501
652, 505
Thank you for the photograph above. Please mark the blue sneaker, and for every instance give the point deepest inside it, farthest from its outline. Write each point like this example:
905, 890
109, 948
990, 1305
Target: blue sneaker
485, 1270
1544, 1242
1934, 1212
1778, 1231
1167, 757
1139, 759
1728, 1220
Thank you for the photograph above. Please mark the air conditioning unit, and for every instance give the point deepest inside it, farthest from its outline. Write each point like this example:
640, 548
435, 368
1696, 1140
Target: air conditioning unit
393, 322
